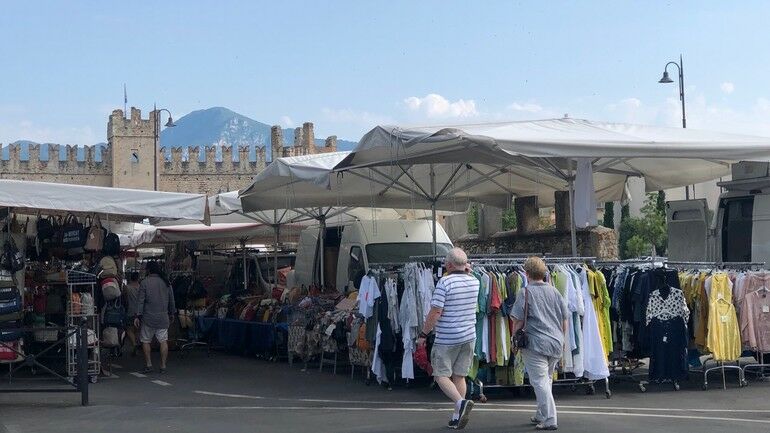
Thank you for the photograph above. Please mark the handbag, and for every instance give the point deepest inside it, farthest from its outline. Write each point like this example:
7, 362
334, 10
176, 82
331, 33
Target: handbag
8, 350
45, 229
10, 331
520, 339
12, 259
10, 302
95, 236
73, 237
114, 314
110, 288
110, 337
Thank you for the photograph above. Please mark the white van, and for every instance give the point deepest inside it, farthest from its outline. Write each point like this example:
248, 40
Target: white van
740, 228
349, 248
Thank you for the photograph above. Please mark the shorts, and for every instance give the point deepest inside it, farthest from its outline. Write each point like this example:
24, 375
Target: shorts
146, 334
454, 360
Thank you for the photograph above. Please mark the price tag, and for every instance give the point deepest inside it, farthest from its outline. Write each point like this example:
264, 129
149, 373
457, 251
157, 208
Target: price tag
720, 295
766, 308
724, 319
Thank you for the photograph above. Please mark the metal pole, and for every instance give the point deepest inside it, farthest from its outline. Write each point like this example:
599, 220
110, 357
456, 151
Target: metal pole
321, 236
277, 228
82, 352
684, 117
573, 234
245, 272
433, 206
155, 149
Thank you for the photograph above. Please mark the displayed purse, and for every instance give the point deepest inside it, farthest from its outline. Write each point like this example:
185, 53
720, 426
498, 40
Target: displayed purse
12, 259
10, 304
114, 314
73, 236
10, 331
110, 288
520, 339
110, 337
8, 350
55, 247
95, 236
45, 229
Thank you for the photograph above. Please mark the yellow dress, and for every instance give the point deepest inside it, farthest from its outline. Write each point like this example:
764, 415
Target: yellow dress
600, 298
724, 337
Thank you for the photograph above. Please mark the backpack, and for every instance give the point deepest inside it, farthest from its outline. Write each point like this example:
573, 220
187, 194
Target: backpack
12, 259
111, 245
114, 314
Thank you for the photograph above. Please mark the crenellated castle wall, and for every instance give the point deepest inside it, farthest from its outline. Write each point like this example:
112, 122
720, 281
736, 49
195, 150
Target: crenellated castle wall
128, 161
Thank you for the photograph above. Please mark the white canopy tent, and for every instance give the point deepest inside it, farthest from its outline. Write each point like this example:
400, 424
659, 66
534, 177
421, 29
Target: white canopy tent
118, 203
540, 157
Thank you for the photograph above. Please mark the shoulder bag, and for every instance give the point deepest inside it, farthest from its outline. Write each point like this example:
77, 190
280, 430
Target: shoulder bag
520, 339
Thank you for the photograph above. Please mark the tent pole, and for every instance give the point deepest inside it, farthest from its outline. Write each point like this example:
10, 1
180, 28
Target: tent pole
277, 228
433, 206
321, 236
573, 235
245, 272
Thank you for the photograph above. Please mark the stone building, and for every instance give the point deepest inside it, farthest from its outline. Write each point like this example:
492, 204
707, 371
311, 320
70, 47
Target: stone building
128, 162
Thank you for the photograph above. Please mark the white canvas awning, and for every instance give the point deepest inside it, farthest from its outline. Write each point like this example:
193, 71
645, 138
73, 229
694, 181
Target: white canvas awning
120, 203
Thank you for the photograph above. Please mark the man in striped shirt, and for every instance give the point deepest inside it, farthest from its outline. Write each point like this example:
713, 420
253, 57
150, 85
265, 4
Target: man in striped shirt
453, 316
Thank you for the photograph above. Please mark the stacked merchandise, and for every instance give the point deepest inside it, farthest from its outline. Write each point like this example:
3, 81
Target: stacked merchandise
11, 342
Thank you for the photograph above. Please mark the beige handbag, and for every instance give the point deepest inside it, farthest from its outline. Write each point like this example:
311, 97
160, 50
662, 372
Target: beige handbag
95, 236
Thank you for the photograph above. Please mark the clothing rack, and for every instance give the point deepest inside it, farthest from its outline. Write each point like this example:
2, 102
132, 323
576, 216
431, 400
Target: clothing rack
719, 265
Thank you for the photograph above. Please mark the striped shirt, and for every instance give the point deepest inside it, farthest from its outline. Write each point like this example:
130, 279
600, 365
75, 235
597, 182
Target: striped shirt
457, 295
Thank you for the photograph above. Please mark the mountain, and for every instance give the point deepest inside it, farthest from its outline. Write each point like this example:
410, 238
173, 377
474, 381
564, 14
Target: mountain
219, 125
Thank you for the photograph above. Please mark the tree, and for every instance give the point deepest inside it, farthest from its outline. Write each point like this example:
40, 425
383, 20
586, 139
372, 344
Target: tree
639, 235
473, 219
609, 215
509, 219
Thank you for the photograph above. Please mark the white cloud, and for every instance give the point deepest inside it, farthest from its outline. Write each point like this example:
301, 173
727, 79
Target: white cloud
434, 106
286, 122
527, 107
727, 87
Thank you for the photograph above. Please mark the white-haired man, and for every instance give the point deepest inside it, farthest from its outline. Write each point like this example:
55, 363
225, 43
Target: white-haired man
453, 316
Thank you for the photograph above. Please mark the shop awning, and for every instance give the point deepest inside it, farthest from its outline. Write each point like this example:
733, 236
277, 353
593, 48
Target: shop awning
119, 203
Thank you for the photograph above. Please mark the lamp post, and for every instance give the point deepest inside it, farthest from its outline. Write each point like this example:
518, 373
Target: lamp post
169, 124
665, 79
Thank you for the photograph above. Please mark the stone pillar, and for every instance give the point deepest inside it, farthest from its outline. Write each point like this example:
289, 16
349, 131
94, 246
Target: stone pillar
490, 221
276, 142
308, 137
527, 214
562, 210
331, 143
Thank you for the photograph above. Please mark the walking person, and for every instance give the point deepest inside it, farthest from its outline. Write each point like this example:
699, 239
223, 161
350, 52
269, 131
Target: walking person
155, 311
542, 312
131, 294
453, 316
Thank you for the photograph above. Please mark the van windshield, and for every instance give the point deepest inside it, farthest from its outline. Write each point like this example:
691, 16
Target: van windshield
401, 251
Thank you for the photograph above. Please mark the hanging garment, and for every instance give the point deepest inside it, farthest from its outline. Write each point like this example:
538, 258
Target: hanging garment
601, 303
594, 360
391, 292
666, 317
368, 293
755, 321
723, 340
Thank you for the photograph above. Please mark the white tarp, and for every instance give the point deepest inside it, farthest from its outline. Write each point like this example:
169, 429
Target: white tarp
121, 203
535, 157
309, 181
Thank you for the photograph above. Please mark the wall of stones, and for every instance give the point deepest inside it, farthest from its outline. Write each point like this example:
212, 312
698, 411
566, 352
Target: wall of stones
599, 242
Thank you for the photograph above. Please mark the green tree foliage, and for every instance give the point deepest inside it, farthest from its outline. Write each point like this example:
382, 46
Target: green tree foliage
609, 215
473, 219
509, 219
639, 234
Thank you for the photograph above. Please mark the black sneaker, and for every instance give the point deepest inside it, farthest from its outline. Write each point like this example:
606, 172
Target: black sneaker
465, 412
453, 424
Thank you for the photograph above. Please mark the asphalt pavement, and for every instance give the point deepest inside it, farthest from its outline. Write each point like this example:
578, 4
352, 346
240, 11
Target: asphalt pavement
223, 393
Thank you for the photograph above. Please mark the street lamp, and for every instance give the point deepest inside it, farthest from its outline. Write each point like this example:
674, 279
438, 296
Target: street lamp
169, 124
665, 79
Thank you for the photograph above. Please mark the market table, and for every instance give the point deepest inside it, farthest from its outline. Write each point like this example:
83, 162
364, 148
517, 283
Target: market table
242, 337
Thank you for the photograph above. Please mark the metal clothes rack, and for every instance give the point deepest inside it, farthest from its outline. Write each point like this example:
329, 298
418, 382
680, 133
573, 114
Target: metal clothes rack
721, 366
193, 333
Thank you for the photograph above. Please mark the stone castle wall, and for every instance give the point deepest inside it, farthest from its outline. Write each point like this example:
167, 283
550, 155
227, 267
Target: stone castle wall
127, 161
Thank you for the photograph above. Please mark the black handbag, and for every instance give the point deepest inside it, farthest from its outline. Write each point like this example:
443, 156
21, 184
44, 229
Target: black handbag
520, 339
73, 237
12, 259
114, 314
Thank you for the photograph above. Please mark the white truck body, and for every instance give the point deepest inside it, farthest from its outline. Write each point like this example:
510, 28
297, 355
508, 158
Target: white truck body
349, 248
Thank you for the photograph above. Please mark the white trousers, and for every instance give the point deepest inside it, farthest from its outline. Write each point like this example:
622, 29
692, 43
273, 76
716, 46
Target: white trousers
540, 370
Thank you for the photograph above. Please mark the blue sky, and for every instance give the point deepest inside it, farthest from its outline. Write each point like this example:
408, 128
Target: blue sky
347, 65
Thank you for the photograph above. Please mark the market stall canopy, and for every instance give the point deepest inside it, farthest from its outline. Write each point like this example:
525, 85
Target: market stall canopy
309, 181
120, 203
537, 157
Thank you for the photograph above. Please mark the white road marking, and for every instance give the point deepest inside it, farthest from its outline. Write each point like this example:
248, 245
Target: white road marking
135, 374
477, 409
116, 366
11, 428
503, 405
160, 382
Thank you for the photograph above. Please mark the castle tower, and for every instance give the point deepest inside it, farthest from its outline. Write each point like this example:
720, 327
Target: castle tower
276, 141
132, 145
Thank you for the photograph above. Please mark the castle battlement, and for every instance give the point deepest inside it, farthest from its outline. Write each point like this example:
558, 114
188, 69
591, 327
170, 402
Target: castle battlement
128, 160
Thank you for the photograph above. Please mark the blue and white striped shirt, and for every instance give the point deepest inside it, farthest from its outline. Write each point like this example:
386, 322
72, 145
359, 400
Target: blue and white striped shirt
457, 295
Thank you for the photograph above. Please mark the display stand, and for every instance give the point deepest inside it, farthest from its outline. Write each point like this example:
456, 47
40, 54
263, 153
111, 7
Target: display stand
763, 368
83, 282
